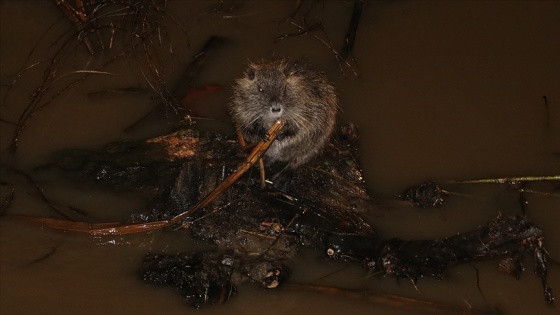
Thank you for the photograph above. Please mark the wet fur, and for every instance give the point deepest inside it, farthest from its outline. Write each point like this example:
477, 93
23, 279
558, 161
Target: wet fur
294, 90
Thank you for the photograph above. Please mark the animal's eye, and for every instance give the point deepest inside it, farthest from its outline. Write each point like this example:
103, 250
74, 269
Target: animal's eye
317, 91
260, 89
251, 74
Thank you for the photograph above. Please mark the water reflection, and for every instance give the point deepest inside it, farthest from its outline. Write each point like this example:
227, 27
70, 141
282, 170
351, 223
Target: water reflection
446, 91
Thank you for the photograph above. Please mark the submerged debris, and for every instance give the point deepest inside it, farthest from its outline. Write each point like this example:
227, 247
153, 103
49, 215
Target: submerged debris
504, 235
257, 231
210, 277
202, 278
425, 195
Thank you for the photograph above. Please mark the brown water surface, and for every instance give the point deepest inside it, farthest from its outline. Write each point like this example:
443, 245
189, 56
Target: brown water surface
447, 90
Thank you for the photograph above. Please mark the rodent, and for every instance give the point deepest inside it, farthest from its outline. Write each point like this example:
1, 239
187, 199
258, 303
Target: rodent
294, 90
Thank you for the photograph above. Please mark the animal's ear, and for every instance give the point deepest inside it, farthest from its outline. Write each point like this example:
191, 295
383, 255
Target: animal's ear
317, 91
250, 73
292, 66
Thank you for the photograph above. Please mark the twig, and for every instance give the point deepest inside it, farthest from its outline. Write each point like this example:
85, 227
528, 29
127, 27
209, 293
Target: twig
79, 18
193, 68
400, 302
301, 32
44, 257
338, 57
353, 28
506, 180
86, 15
8, 200
44, 197
114, 228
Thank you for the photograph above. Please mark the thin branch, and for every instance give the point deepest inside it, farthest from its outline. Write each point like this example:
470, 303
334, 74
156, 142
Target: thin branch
505, 180
114, 228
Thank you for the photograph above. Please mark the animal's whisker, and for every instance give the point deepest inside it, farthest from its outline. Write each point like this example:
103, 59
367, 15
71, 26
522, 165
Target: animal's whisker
287, 88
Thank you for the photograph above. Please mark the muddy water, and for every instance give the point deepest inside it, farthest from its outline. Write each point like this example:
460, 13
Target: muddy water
446, 90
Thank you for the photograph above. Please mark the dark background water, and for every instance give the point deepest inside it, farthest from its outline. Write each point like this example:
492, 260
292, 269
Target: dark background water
446, 91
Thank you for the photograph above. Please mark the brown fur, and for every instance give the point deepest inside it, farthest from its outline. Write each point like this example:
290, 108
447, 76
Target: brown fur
292, 89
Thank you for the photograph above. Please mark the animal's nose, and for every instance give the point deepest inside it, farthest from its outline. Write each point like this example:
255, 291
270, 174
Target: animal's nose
276, 107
